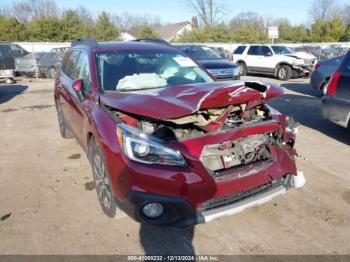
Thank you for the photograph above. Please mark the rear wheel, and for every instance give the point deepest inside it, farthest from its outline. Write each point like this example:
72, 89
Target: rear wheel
284, 73
65, 132
242, 69
51, 72
102, 182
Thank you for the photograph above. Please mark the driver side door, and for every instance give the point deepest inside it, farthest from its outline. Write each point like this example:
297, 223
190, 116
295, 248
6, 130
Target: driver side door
82, 102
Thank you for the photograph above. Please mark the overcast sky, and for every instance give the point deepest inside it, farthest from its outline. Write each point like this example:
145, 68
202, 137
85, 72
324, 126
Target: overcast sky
175, 10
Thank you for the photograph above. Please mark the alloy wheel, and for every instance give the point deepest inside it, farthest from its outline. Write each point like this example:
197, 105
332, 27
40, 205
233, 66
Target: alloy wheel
282, 73
103, 187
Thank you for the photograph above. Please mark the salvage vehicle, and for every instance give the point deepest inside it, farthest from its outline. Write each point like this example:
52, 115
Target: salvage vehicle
323, 72
279, 61
49, 62
207, 57
7, 61
28, 64
336, 103
167, 144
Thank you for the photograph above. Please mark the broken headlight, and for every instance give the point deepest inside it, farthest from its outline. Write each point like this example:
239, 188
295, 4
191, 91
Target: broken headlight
141, 148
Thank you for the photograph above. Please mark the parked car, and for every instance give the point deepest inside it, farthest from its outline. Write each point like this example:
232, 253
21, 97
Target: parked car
167, 144
275, 60
49, 62
221, 69
27, 65
7, 64
323, 72
336, 103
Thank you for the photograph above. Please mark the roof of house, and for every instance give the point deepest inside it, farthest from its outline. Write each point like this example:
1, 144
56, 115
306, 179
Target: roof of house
168, 31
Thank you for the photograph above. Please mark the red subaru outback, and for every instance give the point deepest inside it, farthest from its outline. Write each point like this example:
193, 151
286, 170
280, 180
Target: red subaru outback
167, 144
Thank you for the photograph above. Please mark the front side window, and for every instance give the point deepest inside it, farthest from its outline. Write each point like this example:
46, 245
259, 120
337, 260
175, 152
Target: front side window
265, 51
69, 65
140, 70
282, 50
82, 71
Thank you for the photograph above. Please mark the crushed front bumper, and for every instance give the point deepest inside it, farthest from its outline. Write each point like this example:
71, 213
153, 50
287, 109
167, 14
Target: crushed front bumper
179, 213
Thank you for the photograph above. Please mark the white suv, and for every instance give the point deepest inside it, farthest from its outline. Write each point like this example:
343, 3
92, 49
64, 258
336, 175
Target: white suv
275, 60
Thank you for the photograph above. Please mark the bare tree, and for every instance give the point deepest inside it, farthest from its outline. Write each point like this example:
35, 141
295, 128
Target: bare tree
346, 14
85, 15
248, 18
210, 12
323, 9
126, 21
27, 10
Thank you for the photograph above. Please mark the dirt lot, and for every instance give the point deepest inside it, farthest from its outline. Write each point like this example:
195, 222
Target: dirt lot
48, 204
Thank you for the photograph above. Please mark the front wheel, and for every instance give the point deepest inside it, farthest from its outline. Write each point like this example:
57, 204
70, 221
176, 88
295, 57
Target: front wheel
102, 182
284, 73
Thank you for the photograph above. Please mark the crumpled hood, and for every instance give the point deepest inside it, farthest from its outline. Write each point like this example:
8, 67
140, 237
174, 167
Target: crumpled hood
180, 101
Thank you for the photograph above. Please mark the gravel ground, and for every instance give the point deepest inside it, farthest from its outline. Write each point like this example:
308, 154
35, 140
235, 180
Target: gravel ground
48, 204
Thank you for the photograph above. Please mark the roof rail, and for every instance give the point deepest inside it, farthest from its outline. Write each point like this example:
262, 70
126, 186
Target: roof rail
153, 40
85, 41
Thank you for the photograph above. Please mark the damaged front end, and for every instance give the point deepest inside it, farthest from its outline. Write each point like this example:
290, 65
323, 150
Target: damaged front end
230, 135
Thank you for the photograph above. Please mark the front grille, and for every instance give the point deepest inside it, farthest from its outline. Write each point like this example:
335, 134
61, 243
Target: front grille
222, 73
229, 200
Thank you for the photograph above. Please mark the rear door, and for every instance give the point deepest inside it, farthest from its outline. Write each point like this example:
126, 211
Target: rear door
253, 58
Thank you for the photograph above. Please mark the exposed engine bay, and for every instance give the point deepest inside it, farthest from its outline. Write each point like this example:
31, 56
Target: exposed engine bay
237, 153
200, 123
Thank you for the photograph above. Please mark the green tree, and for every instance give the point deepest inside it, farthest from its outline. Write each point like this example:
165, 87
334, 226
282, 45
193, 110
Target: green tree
12, 30
72, 26
45, 29
105, 29
328, 30
147, 32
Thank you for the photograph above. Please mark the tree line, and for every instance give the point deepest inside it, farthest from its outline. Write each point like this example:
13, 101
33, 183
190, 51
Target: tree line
43, 20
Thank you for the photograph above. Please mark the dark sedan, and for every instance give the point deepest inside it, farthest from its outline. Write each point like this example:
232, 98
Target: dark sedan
323, 72
336, 104
221, 69
49, 62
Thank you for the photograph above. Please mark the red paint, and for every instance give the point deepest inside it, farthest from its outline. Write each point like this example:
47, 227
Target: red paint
193, 183
181, 101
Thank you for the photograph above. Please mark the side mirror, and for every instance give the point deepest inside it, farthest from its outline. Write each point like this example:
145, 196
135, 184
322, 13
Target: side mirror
78, 85
269, 54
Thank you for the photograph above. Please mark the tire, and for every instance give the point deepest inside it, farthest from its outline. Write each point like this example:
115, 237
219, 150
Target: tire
102, 182
64, 130
51, 72
284, 73
324, 88
242, 68
10, 81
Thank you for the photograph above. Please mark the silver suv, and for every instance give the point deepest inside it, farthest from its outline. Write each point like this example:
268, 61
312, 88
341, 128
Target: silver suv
276, 60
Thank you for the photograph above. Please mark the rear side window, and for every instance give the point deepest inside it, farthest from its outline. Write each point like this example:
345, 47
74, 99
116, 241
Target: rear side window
253, 50
69, 63
239, 50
